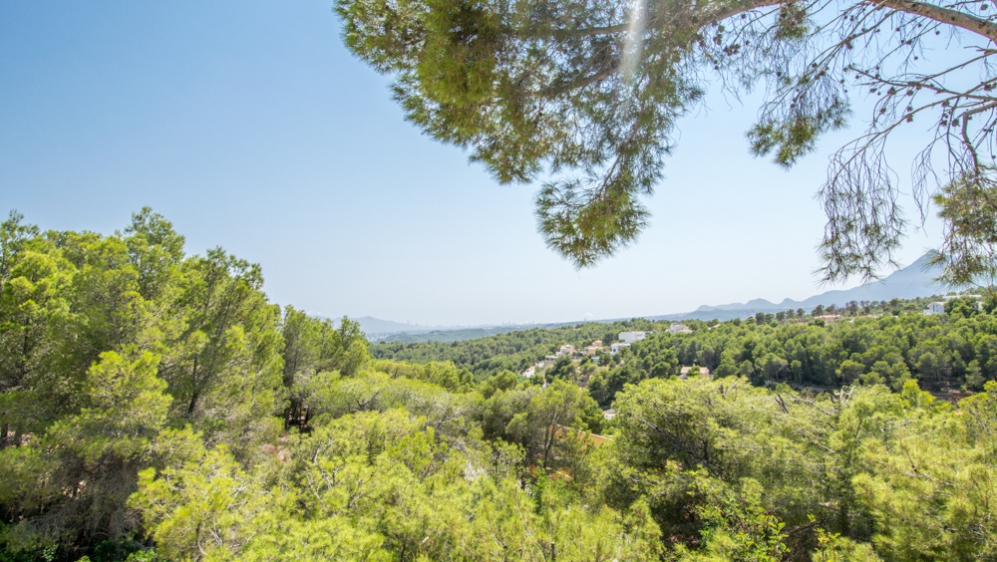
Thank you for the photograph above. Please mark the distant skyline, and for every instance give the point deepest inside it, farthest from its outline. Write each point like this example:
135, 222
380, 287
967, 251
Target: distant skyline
251, 127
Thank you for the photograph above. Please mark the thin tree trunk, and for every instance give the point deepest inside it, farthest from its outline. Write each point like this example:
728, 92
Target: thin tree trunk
193, 395
193, 403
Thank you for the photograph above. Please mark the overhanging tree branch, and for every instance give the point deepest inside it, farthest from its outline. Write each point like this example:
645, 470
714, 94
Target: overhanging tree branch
973, 24
537, 88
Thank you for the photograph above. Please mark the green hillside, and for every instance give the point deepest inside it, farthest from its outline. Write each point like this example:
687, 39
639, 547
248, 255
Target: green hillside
155, 406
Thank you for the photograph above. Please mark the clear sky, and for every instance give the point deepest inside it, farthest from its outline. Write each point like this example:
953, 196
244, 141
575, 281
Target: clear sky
251, 127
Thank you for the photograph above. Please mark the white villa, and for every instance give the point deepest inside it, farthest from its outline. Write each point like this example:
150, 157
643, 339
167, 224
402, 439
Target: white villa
680, 329
631, 337
939, 307
616, 347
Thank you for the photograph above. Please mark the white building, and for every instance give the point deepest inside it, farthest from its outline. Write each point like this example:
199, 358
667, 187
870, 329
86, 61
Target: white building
529, 372
566, 350
935, 308
680, 329
616, 347
631, 337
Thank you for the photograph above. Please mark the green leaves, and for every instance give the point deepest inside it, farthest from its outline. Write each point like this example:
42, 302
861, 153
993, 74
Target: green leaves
142, 395
531, 88
13, 236
579, 94
460, 52
585, 225
929, 491
99, 337
793, 134
125, 407
969, 253
82, 469
737, 527
198, 511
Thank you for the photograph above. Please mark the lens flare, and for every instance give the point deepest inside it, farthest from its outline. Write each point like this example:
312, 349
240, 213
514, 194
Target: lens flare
634, 45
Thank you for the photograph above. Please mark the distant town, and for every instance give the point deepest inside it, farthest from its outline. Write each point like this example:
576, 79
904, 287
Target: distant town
597, 348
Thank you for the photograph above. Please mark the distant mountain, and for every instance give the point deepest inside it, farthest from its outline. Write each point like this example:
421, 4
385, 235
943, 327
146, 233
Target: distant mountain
378, 330
915, 280
372, 325
447, 335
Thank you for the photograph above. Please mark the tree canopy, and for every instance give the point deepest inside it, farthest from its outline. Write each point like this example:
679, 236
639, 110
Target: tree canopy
588, 95
155, 406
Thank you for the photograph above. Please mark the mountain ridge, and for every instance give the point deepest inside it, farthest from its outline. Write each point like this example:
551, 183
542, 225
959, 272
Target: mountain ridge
914, 281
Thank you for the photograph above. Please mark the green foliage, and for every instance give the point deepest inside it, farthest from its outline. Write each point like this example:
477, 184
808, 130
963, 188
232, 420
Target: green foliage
968, 253
928, 494
948, 352
790, 138
110, 343
511, 351
312, 345
588, 94
737, 527
835, 548
156, 406
564, 369
549, 412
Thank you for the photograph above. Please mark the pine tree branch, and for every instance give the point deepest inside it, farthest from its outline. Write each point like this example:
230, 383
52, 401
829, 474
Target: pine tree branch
973, 24
591, 31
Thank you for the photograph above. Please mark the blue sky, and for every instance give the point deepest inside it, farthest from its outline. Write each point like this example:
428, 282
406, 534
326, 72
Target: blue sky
251, 127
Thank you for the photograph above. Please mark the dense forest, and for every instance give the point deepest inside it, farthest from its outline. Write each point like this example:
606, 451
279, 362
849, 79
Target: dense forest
822, 349
513, 351
155, 406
